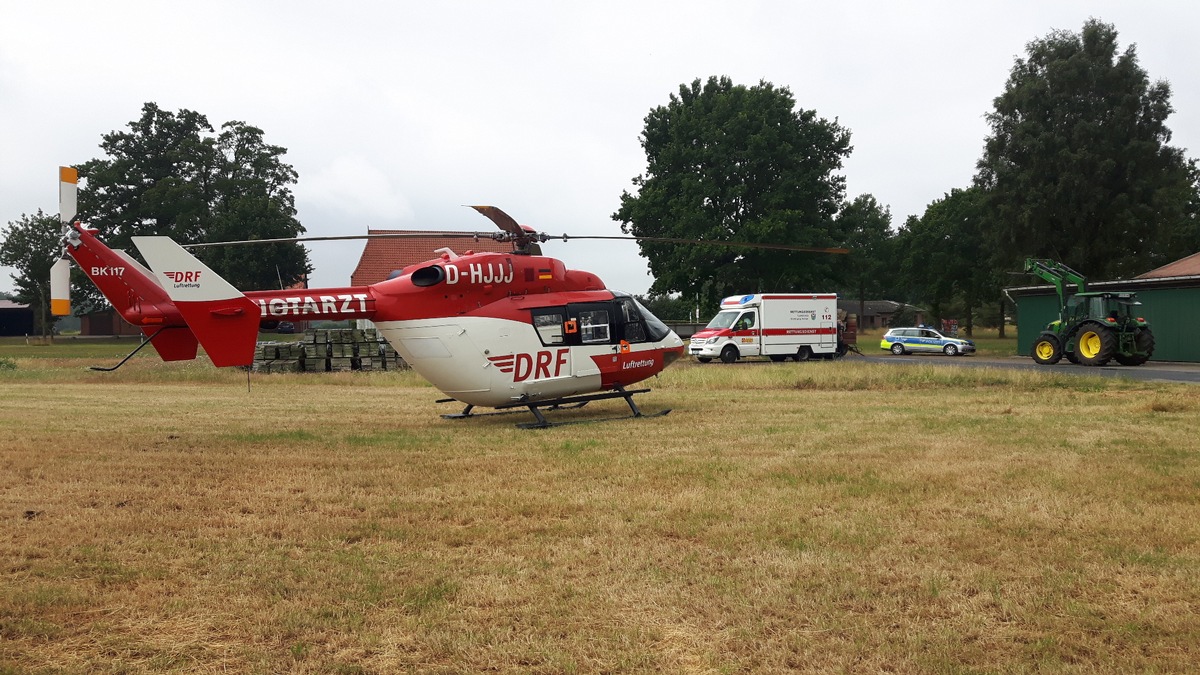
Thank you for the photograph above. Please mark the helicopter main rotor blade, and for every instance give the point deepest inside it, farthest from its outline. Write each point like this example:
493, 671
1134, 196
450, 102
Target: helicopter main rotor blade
503, 237
502, 220
674, 240
522, 237
348, 237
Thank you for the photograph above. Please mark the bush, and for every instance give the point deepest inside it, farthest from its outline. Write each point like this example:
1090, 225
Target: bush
7, 364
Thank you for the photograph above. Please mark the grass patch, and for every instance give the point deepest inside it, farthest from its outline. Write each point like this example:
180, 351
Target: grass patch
820, 516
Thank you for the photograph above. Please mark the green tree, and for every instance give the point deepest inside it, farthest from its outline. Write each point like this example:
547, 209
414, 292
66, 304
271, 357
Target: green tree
730, 163
866, 229
170, 175
1077, 166
31, 246
947, 256
252, 201
924, 265
668, 307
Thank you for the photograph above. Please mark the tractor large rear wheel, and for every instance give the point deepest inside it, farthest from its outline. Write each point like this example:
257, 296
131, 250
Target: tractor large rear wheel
1144, 343
1047, 350
1096, 345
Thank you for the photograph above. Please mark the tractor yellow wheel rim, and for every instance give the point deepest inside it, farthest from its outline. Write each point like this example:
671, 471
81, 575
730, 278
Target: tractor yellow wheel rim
1045, 350
1089, 344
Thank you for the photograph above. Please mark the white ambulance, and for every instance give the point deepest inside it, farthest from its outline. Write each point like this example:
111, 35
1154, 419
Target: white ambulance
777, 325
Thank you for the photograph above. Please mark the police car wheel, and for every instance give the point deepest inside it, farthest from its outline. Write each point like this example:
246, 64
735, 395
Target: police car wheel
951, 350
898, 349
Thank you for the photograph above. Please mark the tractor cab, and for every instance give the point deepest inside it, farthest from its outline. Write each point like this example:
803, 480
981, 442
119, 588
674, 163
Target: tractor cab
1118, 308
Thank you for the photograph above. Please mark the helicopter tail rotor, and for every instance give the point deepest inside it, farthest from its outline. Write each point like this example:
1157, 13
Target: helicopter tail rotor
60, 272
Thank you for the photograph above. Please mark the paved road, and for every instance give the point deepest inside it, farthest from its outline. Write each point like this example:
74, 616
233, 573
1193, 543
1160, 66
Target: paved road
1154, 370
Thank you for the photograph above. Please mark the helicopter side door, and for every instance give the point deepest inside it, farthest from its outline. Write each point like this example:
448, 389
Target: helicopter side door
589, 329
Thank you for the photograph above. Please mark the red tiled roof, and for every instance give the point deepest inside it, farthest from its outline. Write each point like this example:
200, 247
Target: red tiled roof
1184, 267
381, 257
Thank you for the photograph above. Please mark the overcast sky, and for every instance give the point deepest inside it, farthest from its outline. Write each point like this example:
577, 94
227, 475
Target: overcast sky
395, 114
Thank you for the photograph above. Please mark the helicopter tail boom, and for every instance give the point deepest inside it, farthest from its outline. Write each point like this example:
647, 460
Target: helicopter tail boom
132, 290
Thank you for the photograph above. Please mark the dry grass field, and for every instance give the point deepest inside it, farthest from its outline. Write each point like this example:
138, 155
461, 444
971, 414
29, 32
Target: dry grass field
814, 517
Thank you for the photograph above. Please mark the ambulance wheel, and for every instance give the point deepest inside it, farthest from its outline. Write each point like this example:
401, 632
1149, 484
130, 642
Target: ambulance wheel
704, 359
729, 354
803, 354
898, 349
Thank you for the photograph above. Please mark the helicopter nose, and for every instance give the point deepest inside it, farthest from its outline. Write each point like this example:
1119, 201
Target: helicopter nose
673, 349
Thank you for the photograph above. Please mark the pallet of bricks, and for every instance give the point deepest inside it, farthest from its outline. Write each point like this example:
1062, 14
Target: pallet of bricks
328, 350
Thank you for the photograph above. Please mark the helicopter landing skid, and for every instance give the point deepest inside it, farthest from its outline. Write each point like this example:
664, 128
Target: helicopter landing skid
566, 403
467, 410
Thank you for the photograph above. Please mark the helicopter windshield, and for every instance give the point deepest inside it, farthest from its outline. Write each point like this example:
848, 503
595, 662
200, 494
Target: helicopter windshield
724, 319
657, 329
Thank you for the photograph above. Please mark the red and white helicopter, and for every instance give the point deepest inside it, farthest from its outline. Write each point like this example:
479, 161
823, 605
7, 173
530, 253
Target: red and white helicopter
498, 330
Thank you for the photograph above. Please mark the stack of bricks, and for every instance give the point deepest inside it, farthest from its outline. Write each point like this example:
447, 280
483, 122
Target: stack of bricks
328, 350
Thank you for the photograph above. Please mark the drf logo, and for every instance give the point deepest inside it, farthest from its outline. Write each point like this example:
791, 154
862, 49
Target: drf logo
528, 366
182, 277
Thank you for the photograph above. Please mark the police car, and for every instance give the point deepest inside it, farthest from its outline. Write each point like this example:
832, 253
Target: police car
908, 340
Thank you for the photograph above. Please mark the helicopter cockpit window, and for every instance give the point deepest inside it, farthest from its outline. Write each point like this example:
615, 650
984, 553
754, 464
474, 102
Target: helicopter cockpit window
549, 325
593, 326
655, 327
634, 331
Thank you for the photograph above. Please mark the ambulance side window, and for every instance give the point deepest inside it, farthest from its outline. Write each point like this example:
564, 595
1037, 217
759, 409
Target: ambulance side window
745, 322
548, 321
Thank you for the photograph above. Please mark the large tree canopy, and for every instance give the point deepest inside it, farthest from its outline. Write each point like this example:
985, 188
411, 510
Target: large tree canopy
170, 175
866, 228
736, 163
944, 256
1077, 166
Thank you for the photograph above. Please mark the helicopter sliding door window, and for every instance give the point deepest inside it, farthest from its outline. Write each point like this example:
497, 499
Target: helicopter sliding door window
549, 324
593, 327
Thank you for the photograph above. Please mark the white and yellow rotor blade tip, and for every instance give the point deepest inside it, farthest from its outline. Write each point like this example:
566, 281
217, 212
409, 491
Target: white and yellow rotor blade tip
68, 187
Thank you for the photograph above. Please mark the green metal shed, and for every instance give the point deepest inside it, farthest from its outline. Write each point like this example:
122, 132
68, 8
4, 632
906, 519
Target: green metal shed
1170, 304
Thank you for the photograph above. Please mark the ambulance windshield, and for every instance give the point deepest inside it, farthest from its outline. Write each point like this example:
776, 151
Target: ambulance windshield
724, 319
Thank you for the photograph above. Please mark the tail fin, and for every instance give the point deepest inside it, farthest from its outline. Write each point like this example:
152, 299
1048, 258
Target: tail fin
224, 320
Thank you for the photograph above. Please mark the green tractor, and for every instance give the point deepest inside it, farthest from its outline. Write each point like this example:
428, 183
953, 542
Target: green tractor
1092, 328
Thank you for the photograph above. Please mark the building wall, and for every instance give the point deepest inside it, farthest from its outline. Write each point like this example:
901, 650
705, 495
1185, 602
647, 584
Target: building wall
1171, 312
16, 321
106, 322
